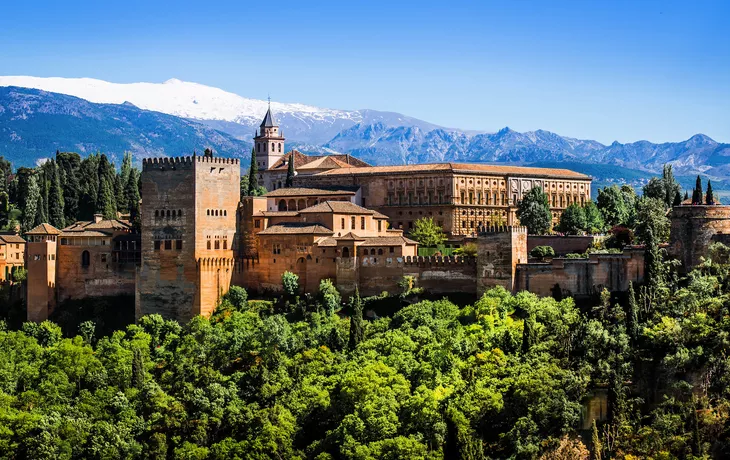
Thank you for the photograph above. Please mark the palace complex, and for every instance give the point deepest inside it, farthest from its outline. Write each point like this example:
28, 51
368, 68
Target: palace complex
342, 220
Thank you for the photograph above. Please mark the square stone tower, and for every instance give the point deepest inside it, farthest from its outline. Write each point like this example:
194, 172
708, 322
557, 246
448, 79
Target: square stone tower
499, 250
188, 234
40, 259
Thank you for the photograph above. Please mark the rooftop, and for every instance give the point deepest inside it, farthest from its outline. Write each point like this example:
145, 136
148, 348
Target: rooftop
469, 168
11, 239
44, 229
341, 207
301, 161
102, 227
296, 228
302, 191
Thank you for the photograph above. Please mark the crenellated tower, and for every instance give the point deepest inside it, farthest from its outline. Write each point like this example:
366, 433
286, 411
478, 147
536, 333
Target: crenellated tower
188, 234
268, 142
499, 250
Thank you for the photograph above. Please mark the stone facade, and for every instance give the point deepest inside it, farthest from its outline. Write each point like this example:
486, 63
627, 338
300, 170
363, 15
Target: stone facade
189, 231
499, 251
694, 228
12, 255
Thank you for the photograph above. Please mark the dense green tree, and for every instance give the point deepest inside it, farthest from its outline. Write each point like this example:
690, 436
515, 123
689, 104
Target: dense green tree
542, 252
427, 233
4, 209
594, 219
133, 199
357, 328
611, 202
596, 446
6, 171
572, 220
632, 314
290, 172
534, 211
651, 214
69, 165
56, 205
30, 208
290, 283
329, 295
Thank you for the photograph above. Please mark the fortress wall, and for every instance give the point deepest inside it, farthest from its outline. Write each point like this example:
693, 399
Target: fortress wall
562, 245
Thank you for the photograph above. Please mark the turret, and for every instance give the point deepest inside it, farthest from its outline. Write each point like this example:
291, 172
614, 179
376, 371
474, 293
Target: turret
268, 142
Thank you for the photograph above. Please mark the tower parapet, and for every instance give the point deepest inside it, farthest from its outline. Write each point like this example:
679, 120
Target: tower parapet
499, 250
694, 228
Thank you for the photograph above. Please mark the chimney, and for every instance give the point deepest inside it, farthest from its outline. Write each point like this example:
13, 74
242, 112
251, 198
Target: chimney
98, 218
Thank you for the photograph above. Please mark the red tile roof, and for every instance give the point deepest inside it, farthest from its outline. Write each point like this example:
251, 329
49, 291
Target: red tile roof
468, 168
44, 229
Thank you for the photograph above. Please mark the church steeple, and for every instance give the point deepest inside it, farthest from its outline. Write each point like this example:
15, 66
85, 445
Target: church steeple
268, 141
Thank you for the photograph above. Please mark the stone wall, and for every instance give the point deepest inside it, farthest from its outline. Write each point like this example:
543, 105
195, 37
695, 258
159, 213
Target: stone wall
499, 250
580, 277
41, 278
562, 245
694, 228
102, 277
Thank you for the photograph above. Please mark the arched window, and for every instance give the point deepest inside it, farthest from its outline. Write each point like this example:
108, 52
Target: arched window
207, 211
346, 252
85, 259
280, 148
216, 212
282, 205
168, 213
157, 213
364, 252
258, 148
380, 251
372, 252
352, 223
225, 212
179, 213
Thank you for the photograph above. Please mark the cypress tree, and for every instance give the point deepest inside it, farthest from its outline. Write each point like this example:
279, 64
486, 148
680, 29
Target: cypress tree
290, 173
253, 175
697, 193
677, 199
4, 209
31, 205
137, 369
68, 167
40, 215
528, 327
133, 199
632, 314
357, 332
106, 203
595, 442
55, 199
709, 198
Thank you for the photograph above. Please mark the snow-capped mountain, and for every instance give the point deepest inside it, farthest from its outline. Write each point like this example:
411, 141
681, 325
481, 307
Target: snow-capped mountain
218, 108
94, 114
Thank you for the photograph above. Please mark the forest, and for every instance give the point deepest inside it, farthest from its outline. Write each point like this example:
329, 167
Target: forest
322, 377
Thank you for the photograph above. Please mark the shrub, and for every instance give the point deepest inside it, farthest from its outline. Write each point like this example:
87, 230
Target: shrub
541, 252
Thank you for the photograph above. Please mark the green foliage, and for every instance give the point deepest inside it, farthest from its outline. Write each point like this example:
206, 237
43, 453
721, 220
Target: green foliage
31, 208
665, 188
4, 210
56, 216
572, 220
329, 296
238, 297
253, 175
612, 204
427, 233
534, 212
357, 327
467, 250
542, 252
709, 197
651, 215
594, 219
290, 283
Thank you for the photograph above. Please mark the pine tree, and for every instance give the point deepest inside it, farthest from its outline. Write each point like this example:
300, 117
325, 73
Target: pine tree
709, 198
596, 446
357, 332
133, 199
31, 205
290, 173
253, 175
55, 199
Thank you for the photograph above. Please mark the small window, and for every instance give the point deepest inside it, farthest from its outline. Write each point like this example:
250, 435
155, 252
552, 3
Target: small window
157, 245
178, 244
207, 211
168, 245
225, 244
85, 259
380, 251
157, 213
352, 222
392, 249
168, 213
217, 244
103, 258
343, 223
362, 223
179, 213
257, 223
225, 212
208, 244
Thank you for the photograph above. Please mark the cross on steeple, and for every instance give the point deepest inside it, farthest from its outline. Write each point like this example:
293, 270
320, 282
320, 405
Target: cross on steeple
269, 98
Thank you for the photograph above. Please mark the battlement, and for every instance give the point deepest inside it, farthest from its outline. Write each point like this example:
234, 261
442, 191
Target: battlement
516, 229
173, 163
419, 261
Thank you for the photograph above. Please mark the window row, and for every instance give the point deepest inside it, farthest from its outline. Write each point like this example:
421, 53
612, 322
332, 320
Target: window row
85, 241
43, 257
170, 214
167, 244
371, 252
353, 222
216, 212
411, 199
273, 147
218, 243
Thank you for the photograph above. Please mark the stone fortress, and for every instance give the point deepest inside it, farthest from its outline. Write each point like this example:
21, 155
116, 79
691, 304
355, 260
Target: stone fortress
342, 220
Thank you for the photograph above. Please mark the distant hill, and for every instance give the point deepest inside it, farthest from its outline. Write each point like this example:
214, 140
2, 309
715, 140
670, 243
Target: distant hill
34, 124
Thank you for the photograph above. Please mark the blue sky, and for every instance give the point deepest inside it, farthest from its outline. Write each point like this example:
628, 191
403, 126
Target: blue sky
604, 70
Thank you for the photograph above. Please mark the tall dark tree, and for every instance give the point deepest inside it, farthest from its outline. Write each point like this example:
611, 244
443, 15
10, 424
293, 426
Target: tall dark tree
55, 198
686, 195
133, 200
709, 197
137, 368
357, 331
652, 260
6, 171
290, 172
30, 207
4, 209
106, 203
697, 192
632, 314
253, 175
671, 186
89, 171
528, 332
68, 168
677, 199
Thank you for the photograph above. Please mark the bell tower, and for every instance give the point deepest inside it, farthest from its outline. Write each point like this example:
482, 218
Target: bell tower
268, 142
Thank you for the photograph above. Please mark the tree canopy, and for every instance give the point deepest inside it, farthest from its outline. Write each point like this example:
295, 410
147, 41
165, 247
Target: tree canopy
427, 232
533, 211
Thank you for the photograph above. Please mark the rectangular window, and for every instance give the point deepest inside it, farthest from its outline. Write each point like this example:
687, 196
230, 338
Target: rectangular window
157, 245
217, 244
352, 223
380, 226
257, 223
225, 244
178, 244
103, 258
392, 249
168, 245
343, 223
362, 223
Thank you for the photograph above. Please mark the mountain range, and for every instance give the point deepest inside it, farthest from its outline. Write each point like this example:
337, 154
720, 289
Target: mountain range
41, 115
